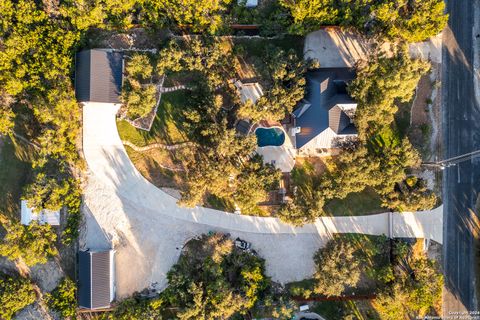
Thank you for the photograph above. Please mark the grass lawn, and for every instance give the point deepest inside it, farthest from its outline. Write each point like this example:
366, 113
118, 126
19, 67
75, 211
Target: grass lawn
338, 310
355, 204
256, 46
14, 172
167, 126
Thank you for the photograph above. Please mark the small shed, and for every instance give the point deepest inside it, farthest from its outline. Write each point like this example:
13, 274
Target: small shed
249, 91
96, 279
44, 216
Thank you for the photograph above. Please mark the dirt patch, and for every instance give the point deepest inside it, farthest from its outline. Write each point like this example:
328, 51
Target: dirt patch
35, 312
154, 164
134, 38
420, 127
47, 276
425, 115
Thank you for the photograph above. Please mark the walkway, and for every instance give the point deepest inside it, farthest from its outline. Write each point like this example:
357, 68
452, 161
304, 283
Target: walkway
147, 227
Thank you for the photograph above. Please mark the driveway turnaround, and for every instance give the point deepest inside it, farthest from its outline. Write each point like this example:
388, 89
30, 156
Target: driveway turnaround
336, 48
147, 228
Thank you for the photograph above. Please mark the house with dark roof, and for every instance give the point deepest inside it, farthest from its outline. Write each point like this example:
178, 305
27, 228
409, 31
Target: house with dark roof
325, 116
98, 75
96, 279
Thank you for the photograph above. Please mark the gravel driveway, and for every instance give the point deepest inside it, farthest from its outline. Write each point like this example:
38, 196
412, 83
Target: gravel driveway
336, 48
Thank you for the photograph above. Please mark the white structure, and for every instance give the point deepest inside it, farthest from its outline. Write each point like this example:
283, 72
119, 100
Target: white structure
249, 3
44, 216
249, 91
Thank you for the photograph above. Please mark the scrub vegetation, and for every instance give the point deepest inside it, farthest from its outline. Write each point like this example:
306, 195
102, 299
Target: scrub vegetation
401, 281
40, 123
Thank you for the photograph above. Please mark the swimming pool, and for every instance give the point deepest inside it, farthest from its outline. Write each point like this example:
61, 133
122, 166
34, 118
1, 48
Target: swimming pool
269, 137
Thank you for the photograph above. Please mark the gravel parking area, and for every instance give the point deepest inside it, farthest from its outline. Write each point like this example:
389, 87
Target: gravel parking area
336, 48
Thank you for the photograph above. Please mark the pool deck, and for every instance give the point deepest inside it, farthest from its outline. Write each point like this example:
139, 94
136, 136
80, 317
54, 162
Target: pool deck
282, 157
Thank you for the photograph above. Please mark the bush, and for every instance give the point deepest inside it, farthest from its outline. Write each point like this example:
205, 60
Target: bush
15, 294
63, 298
139, 99
337, 268
138, 94
34, 243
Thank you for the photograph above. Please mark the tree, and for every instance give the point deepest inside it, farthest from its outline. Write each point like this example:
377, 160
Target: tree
6, 120
209, 57
138, 99
214, 280
84, 14
416, 290
15, 294
412, 21
34, 243
410, 197
309, 15
138, 308
308, 201
63, 298
194, 15
379, 84
36, 49
287, 73
139, 67
254, 182
138, 93
337, 267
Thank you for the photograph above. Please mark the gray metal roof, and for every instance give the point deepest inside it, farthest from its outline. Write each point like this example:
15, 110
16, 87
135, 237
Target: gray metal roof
94, 290
98, 76
325, 89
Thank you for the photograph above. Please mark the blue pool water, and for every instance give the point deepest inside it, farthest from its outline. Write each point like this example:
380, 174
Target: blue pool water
270, 137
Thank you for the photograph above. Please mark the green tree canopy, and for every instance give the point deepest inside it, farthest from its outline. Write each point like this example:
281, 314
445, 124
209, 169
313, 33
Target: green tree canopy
287, 88
416, 290
194, 15
63, 298
15, 294
337, 268
409, 20
381, 82
34, 243
213, 280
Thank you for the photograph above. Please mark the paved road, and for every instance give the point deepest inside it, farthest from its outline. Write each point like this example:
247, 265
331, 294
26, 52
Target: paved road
461, 133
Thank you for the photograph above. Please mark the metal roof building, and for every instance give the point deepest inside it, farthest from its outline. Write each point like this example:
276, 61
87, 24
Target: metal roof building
327, 110
98, 76
96, 289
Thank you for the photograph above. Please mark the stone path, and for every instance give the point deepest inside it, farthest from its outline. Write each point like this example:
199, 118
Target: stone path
147, 228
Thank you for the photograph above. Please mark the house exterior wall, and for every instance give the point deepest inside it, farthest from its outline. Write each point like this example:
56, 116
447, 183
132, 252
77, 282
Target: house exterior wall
322, 144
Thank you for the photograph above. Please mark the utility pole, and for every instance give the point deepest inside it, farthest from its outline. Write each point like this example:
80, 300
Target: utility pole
452, 161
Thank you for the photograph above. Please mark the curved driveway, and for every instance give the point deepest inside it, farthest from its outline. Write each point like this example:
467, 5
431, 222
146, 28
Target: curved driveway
147, 228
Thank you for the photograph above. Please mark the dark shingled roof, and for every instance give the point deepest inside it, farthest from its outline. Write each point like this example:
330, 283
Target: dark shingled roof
94, 279
98, 76
325, 89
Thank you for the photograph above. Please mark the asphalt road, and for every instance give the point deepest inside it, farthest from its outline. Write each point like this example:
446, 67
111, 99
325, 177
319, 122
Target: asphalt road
461, 134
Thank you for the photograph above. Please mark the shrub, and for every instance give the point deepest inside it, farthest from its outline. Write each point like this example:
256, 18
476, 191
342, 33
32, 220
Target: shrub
15, 294
63, 298
34, 243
